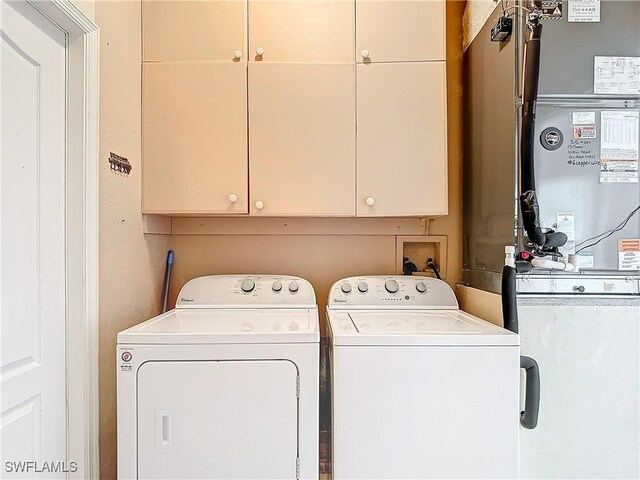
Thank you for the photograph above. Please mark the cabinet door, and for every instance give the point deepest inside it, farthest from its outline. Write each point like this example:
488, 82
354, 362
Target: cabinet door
302, 31
302, 139
402, 139
400, 30
193, 30
194, 138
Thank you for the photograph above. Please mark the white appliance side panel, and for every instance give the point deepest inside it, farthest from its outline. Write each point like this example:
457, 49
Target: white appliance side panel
425, 412
589, 359
217, 419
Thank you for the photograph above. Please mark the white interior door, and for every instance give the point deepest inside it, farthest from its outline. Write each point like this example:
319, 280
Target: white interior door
217, 419
32, 280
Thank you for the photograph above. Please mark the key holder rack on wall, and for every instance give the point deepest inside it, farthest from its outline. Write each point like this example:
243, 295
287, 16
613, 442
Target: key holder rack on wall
119, 164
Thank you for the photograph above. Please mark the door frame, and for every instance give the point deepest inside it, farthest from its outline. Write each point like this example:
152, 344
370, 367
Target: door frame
81, 210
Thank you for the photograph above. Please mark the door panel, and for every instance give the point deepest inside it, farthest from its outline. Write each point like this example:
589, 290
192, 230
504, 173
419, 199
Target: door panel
408, 30
302, 31
402, 139
33, 412
194, 138
193, 30
217, 419
302, 139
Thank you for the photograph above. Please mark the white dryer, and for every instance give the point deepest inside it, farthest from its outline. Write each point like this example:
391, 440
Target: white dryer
419, 388
223, 386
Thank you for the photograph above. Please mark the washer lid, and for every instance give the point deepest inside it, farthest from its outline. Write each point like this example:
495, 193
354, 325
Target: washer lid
401, 327
218, 326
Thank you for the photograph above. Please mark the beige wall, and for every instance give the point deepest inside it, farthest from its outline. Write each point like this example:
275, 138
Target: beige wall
475, 16
451, 225
131, 265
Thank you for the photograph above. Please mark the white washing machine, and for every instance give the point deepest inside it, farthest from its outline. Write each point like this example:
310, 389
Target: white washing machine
419, 388
223, 386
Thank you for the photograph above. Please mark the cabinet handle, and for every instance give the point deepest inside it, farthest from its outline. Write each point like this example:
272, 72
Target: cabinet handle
237, 54
259, 51
365, 53
370, 201
259, 205
233, 198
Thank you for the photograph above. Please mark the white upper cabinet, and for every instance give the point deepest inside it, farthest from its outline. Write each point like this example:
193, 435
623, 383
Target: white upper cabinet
402, 139
306, 31
294, 107
194, 30
194, 138
302, 133
400, 30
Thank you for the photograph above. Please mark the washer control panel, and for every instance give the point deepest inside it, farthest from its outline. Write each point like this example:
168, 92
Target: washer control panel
250, 290
391, 292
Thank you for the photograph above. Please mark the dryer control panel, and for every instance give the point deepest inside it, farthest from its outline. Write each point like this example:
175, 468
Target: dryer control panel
392, 292
221, 291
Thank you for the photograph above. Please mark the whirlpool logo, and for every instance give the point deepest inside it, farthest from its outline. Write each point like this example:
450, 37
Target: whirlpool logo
40, 467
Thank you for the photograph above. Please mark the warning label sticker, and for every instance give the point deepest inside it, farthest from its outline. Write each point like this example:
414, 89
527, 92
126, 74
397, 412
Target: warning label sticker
629, 254
586, 131
565, 223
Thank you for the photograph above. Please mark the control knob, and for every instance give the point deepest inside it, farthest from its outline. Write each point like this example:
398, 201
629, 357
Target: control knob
346, 288
277, 286
391, 286
363, 287
247, 285
293, 287
421, 287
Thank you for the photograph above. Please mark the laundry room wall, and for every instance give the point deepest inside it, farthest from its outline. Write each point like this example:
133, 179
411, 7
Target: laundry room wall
475, 16
326, 257
131, 264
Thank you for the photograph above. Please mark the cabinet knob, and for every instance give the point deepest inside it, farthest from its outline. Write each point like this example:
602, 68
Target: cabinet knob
365, 53
370, 201
259, 51
233, 198
237, 54
259, 205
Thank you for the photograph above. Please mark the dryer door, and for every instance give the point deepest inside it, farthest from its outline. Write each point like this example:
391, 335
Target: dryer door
217, 419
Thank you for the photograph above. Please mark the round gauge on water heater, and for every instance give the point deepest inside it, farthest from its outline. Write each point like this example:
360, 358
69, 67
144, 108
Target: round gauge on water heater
551, 138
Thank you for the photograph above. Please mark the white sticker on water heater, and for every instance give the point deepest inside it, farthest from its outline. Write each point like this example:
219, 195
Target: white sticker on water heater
583, 118
565, 223
584, 11
585, 259
619, 146
616, 75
